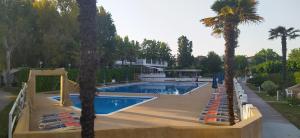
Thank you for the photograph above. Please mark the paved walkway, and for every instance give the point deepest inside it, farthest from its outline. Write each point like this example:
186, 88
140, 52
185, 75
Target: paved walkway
164, 111
274, 124
4, 99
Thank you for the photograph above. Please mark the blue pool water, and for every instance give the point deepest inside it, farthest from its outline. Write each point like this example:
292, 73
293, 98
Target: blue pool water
105, 105
175, 88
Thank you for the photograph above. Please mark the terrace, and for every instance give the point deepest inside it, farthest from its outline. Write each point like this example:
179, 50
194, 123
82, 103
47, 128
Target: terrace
178, 115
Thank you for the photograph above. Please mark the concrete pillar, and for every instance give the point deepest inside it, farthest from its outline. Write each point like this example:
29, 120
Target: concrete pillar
31, 89
64, 92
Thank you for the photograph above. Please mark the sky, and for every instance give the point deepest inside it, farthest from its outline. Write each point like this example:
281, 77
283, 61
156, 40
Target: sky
167, 20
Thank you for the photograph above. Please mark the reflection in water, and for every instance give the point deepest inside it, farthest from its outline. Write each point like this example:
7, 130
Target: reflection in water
155, 87
108, 104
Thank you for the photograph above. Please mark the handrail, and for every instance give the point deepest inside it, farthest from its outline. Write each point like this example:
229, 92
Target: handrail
242, 100
16, 110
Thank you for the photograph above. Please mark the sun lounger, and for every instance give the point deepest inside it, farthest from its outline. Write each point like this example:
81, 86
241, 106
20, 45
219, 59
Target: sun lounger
59, 121
59, 117
51, 119
59, 125
215, 121
50, 127
58, 114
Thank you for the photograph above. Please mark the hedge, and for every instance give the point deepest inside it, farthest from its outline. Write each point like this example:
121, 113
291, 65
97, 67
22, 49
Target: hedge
258, 79
51, 83
297, 77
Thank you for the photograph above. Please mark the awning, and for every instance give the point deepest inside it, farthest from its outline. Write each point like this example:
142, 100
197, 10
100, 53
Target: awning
184, 70
158, 69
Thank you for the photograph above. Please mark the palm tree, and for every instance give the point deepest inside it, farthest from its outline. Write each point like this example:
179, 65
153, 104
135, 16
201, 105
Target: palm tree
231, 13
283, 33
87, 75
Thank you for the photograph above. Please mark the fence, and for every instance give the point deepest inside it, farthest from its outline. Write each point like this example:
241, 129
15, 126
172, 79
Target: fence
242, 100
16, 110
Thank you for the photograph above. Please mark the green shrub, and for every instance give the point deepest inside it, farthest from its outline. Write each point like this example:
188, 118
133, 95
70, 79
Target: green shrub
297, 77
73, 74
22, 76
270, 87
47, 83
293, 101
268, 67
51, 83
257, 80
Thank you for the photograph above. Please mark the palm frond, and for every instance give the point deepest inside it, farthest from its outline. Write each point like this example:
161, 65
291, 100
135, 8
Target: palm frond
251, 18
277, 32
247, 12
272, 37
233, 11
227, 11
294, 36
216, 23
290, 29
210, 21
220, 4
293, 32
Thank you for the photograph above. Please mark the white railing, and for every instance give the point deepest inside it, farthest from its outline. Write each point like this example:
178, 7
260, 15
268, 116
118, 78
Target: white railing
162, 79
288, 93
153, 75
16, 110
143, 62
242, 100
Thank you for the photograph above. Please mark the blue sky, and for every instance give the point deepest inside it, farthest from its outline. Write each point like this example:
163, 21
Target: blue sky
166, 20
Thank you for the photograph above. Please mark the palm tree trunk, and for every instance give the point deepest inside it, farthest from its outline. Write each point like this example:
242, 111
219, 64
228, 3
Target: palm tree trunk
230, 36
88, 64
284, 50
8, 61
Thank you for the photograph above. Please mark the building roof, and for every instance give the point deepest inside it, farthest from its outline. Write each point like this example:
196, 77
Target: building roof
295, 88
183, 70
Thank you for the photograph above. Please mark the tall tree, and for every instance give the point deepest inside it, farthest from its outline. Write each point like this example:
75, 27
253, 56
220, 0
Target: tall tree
156, 50
133, 51
185, 49
15, 28
50, 39
283, 33
231, 13
265, 55
164, 52
294, 59
120, 48
88, 64
241, 64
213, 63
150, 49
106, 33
69, 34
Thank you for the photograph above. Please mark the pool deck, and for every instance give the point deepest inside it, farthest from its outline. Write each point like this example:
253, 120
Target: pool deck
165, 110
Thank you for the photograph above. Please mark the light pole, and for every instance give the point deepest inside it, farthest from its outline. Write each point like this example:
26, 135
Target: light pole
69, 66
104, 80
41, 64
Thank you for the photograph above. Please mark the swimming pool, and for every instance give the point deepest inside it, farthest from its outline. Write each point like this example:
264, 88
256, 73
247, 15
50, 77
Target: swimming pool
107, 105
174, 88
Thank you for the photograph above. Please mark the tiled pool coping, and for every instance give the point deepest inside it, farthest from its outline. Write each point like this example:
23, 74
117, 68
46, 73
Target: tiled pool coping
130, 84
52, 98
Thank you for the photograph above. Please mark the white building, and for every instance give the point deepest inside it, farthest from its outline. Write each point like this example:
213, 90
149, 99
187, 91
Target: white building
154, 70
144, 62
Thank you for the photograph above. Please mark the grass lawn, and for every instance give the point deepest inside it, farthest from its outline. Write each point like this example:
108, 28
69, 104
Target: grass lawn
4, 120
4, 113
13, 90
290, 112
266, 97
